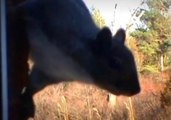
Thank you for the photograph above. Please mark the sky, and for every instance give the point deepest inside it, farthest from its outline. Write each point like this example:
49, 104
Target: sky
107, 9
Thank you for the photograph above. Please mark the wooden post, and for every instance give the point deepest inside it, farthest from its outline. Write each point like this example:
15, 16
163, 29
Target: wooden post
17, 52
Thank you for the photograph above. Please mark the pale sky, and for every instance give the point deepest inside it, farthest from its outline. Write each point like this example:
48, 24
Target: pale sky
122, 12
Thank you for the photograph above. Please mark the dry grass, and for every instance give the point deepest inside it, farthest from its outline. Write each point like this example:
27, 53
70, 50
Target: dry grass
76, 101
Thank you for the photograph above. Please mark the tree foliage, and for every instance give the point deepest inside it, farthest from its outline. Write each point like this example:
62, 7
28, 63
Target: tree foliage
99, 20
154, 41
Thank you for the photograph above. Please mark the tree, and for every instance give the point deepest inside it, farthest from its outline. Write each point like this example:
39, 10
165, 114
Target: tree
154, 40
99, 20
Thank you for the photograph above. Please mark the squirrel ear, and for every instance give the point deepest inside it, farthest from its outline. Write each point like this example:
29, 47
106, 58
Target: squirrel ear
103, 42
120, 36
104, 35
104, 38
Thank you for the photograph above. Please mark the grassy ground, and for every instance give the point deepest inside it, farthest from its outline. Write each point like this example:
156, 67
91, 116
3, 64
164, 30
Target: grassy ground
76, 101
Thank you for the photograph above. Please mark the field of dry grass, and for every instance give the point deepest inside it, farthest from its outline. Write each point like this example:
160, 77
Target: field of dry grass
77, 101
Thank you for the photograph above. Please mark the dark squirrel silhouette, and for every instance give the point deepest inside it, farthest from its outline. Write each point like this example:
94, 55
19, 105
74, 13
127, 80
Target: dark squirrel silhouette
66, 45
